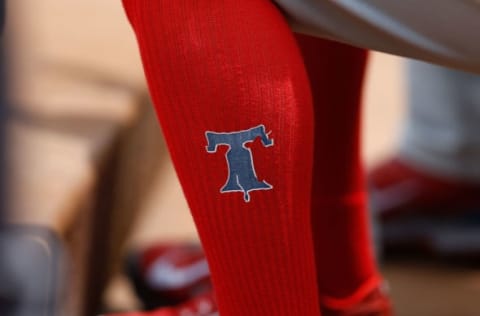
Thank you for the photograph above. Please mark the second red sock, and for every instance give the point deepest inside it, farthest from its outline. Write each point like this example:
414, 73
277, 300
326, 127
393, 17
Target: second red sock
345, 262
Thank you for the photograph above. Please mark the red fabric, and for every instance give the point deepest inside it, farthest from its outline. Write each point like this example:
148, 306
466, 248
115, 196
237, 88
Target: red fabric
228, 66
344, 256
202, 305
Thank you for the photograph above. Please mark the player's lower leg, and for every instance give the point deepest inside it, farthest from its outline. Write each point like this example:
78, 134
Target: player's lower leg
347, 272
233, 99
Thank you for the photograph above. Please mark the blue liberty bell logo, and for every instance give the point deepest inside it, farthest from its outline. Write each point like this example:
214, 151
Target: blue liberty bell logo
241, 171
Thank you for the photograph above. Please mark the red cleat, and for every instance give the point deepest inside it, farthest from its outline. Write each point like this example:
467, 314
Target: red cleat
202, 305
375, 304
169, 274
419, 210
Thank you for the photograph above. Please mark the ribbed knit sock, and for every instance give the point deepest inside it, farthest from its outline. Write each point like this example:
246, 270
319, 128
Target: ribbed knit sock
345, 262
233, 98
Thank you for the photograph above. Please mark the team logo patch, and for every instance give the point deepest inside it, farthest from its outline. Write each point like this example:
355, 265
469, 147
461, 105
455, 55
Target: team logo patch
241, 171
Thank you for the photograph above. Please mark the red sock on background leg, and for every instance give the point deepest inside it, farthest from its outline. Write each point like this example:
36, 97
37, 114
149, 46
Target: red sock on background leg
346, 266
234, 102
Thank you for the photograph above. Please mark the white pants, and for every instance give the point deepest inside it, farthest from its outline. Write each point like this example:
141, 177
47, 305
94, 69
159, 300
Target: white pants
442, 129
446, 32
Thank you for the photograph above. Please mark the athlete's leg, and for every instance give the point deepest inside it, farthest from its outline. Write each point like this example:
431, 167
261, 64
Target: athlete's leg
345, 263
429, 190
441, 130
227, 74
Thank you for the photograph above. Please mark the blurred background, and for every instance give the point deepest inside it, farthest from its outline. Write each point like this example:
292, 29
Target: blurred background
90, 177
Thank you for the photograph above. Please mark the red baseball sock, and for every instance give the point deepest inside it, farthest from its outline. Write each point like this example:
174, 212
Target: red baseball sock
234, 102
345, 263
